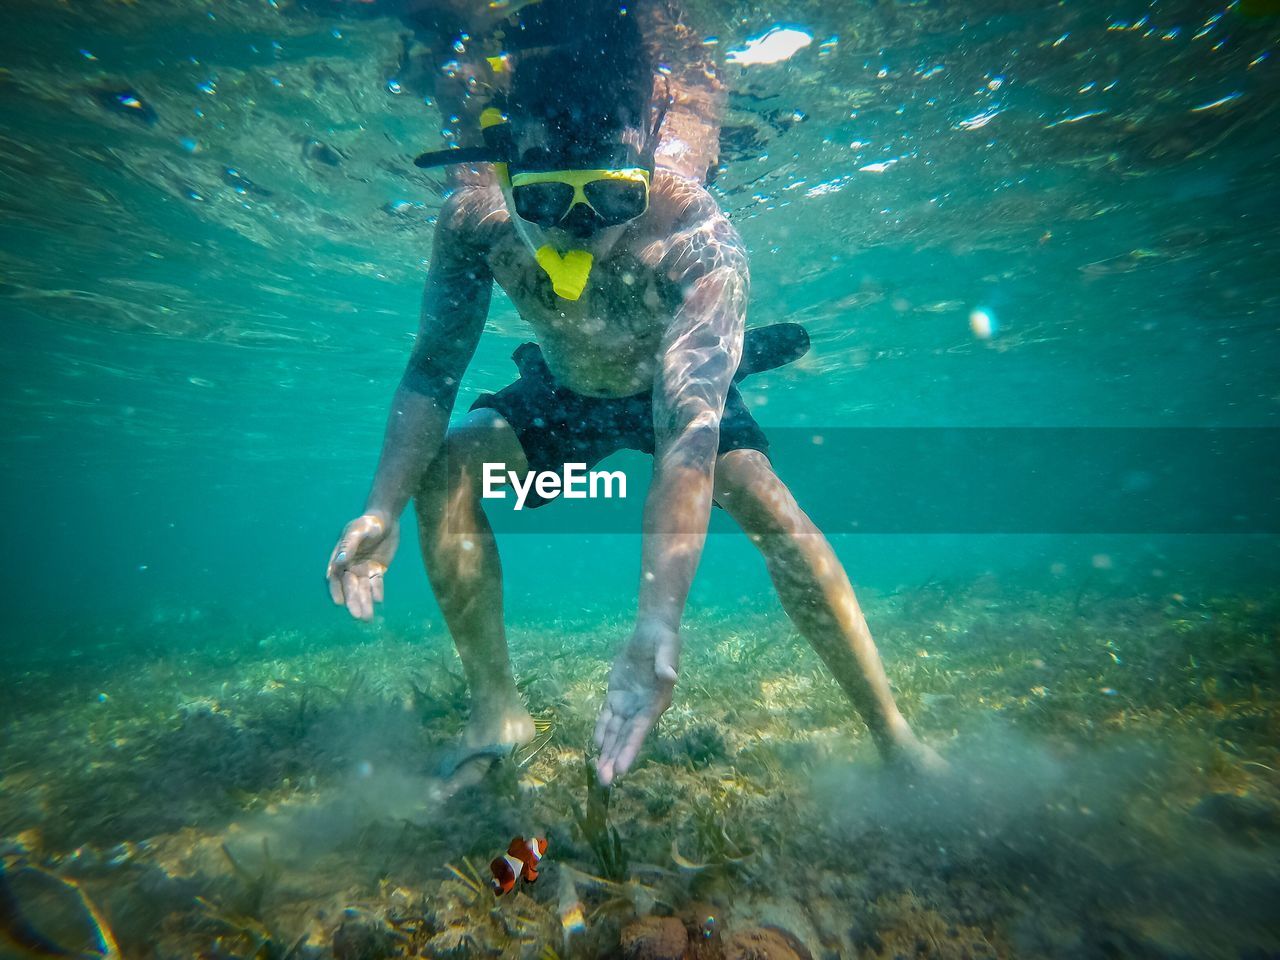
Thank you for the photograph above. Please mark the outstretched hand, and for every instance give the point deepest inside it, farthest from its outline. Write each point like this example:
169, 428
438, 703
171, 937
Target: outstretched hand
358, 562
640, 688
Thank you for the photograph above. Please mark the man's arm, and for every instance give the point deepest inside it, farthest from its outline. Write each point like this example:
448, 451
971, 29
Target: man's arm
698, 357
454, 305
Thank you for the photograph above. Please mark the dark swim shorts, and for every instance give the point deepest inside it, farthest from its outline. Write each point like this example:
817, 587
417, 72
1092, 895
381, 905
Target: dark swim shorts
556, 426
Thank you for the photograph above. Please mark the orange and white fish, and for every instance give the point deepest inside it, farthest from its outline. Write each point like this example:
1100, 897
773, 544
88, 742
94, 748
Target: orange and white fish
520, 862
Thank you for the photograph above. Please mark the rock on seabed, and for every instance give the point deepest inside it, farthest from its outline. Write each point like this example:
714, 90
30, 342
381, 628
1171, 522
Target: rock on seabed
655, 938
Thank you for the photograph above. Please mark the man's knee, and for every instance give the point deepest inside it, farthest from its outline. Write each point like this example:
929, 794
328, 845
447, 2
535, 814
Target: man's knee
751, 492
476, 438
479, 437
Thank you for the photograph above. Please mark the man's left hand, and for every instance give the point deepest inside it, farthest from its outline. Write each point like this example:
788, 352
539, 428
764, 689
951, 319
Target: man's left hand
640, 688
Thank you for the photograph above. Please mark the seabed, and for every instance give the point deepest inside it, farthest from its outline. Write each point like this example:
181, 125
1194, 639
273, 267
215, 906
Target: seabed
1114, 790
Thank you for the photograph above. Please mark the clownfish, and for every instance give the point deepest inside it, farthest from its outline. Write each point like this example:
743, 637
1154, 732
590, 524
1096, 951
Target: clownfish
519, 862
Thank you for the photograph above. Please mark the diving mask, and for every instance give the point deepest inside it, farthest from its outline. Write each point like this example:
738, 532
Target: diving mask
613, 197
579, 201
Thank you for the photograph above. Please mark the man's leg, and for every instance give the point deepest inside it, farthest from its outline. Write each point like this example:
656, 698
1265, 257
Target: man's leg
816, 594
462, 562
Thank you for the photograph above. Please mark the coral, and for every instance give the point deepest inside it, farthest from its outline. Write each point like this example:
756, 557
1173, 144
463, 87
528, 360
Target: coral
763, 943
655, 938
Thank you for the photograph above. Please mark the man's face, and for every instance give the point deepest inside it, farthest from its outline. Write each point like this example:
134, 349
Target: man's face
579, 229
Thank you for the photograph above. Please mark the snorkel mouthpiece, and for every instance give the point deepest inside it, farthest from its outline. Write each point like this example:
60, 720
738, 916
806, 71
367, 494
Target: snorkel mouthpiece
568, 273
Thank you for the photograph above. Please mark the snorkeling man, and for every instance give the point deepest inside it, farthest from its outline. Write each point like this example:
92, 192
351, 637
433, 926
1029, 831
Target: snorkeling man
586, 204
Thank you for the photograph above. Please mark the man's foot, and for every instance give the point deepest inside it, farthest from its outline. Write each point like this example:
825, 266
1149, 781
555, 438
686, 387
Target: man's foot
915, 759
509, 724
491, 735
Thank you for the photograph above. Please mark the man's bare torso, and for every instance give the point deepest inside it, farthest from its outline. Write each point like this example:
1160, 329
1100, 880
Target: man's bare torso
605, 343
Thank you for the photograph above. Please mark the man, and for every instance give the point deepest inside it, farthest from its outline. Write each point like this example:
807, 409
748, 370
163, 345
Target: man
594, 221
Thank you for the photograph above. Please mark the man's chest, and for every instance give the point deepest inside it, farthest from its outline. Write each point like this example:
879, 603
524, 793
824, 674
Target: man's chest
624, 296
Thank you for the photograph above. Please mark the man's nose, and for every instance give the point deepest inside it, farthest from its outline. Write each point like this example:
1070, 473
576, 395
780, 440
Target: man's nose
580, 221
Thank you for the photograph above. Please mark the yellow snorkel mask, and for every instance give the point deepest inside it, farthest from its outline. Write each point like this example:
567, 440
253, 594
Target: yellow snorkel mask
582, 201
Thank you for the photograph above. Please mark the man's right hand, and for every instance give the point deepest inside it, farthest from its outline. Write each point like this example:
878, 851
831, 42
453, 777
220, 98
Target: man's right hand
358, 562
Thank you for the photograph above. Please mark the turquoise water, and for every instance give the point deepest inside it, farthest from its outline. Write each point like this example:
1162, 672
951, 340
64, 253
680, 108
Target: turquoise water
205, 325
175, 360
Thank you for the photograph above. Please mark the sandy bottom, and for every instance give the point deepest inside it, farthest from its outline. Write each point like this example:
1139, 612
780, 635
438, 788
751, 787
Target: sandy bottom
1114, 791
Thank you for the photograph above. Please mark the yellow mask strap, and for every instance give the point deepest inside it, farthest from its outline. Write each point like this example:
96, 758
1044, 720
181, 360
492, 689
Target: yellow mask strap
568, 273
